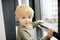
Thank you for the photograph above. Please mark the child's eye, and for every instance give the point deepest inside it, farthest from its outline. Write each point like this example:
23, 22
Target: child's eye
23, 17
29, 17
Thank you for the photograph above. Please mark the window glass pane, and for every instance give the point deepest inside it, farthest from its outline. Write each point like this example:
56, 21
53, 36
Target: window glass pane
49, 11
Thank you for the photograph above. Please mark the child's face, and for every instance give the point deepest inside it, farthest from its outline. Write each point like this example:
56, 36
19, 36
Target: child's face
25, 20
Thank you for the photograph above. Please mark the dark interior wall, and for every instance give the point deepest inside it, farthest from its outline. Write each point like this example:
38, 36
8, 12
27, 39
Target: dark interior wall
32, 5
38, 17
35, 4
9, 18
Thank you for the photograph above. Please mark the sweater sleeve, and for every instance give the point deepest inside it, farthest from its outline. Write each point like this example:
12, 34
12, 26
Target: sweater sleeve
35, 23
45, 38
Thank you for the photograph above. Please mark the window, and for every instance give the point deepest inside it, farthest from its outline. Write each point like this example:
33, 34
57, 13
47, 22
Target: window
49, 11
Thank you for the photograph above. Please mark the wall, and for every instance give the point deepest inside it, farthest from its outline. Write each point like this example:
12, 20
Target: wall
2, 29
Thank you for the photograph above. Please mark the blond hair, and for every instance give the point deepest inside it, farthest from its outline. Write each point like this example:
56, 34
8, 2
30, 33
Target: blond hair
23, 10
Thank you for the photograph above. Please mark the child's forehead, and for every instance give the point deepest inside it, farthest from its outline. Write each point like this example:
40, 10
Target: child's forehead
26, 15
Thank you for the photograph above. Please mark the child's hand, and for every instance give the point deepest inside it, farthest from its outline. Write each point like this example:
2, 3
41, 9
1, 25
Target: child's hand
42, 20
50, 33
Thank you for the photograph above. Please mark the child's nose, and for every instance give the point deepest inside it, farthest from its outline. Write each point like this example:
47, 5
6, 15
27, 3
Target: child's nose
27, 19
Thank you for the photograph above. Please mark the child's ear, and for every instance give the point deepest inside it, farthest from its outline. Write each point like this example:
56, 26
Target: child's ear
17, 22
17, 19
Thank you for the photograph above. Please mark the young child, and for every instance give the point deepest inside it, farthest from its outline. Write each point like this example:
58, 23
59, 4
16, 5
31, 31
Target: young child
25, 14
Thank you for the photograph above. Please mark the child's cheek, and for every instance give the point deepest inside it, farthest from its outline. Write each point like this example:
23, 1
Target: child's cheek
30, 21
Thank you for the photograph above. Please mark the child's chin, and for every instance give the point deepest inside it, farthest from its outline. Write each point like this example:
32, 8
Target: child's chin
26, 25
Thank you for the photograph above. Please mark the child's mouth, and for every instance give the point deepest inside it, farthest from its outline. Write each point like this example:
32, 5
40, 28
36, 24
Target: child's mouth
26, 23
